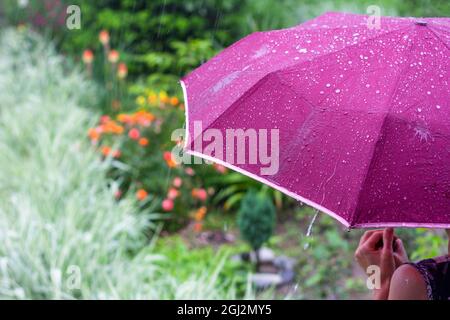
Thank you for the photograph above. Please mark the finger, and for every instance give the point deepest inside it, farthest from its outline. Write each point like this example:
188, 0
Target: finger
365, 236
374, 239
388, 238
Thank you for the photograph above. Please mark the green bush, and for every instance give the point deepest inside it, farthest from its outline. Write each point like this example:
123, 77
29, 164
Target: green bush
256, 220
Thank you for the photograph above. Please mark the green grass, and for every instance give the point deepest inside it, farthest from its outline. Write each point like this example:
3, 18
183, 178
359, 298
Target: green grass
62, 234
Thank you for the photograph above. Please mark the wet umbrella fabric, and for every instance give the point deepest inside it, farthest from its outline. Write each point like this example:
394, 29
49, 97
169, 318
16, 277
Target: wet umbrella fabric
363, 115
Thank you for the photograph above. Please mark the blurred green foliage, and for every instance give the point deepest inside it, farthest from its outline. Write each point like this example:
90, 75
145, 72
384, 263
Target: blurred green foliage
256, 219
177, 253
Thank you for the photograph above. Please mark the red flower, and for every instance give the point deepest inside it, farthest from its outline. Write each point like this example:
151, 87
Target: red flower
122, 71
198, 226
177, 182
199, 194
171, 163
104, 119
103, 36
88, 56
134, 134
172, 194
189, 171
167, 205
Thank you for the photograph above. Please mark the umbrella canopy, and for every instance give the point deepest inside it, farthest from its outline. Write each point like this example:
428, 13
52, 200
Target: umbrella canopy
360, 116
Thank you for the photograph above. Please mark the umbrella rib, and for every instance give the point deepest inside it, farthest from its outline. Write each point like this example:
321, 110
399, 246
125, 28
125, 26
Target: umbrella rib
378, 139
439, 38
257, 84
342, 49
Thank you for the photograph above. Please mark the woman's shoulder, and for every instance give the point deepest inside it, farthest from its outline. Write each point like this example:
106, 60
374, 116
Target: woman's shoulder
435, 272
408, 283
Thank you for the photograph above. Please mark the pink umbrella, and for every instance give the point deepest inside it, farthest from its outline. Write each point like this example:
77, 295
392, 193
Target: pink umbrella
362, 116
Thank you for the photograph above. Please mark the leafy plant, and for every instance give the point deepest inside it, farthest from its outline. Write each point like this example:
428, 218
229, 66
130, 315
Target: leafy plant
233, 187
256, 220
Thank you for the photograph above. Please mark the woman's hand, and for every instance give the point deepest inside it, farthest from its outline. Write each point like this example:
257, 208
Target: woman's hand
381, 248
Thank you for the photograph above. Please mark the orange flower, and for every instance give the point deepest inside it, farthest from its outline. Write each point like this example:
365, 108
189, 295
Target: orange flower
122, 71
141, 194
200, 214
143, 142
124, 118
171, 163
134, 134
113, 56
103, 36
152, 99
143, 118
174, 101
106, 150
88, 56
163, 97
94, 134
110, 126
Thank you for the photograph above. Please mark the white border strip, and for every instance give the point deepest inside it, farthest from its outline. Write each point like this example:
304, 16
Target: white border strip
186, 113
271, 184
403, 225
293, 195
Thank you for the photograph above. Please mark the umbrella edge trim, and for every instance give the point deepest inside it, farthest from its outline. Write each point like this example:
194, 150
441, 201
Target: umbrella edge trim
403, 225
186, 114
272, 185
249, 174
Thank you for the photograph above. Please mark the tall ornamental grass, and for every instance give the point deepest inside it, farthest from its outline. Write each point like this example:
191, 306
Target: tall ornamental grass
62, 234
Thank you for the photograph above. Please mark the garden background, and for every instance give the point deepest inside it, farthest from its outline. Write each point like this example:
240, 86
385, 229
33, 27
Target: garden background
92, 205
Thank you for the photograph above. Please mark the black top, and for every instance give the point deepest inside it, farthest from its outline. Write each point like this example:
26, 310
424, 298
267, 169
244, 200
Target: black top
436, 273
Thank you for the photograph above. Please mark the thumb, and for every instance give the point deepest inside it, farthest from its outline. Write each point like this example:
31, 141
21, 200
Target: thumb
400, 248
